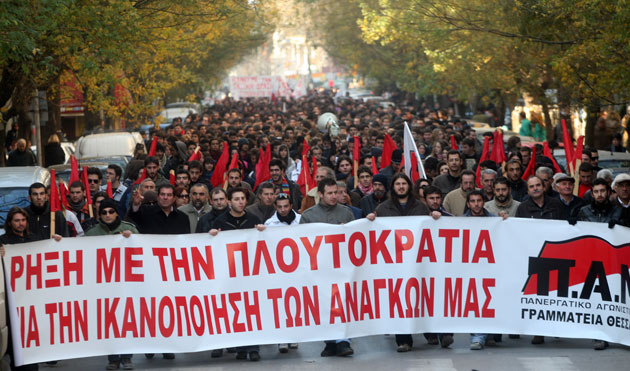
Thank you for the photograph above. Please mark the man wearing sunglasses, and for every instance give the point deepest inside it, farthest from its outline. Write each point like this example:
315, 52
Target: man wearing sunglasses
95, 178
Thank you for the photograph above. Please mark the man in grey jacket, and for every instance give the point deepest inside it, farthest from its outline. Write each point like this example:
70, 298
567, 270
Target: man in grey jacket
198, 205
502, 201
329, 211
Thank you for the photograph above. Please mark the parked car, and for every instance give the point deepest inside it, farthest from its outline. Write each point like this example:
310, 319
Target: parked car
62, 172
174, 110
617, 162
14, 183
525, 140
107, 144
121, 161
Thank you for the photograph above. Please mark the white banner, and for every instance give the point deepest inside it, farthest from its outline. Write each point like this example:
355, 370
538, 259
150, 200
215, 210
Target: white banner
258, 87
154, 294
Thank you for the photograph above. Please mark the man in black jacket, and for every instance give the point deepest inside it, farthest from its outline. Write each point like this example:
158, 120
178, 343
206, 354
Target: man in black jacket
379, 194
218, 201
539, 205
163, 218
237, 218
514, 171
39, 214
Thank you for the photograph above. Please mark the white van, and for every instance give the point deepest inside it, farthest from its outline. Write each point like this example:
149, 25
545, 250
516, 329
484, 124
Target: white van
107, 144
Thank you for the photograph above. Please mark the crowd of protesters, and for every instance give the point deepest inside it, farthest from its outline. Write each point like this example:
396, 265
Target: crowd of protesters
170, 187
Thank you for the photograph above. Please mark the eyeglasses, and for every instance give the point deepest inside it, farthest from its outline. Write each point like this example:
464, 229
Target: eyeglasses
183, 196
93, 181
108, 212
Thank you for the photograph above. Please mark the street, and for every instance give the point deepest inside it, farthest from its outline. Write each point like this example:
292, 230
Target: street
379, 353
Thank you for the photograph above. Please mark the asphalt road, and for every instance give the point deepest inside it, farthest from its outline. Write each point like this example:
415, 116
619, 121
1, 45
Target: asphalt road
379, 353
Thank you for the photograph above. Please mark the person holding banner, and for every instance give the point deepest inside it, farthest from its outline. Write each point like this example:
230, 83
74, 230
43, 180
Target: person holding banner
238, 218
329, 211
402, 203
16, 232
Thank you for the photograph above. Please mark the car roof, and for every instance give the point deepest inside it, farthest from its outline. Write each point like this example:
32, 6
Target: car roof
23, 176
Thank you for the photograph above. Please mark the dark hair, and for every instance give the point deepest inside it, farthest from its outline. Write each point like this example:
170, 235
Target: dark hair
601, 181
162, 186
489, 164
468, 172
394, 179
363, 169
117, 169
195, 165
234, 190
431, 190
501, 180
525, 149
470, 142
151, 160
585, 166
218, 190
265, 185
277, 162
321, 186
100, 194
235, 170
16, 210
95, 171
284, 196
182, 171
454, 152
77, 184
35, 186
342, 158
476, 192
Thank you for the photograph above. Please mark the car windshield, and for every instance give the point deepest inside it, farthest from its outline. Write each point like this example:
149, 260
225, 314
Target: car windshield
10, 197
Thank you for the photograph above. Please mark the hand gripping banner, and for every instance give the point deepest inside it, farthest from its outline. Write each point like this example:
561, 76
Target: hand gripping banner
156, 294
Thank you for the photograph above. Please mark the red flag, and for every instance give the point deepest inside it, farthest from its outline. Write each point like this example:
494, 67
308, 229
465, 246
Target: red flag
262, 167
74, 172
356, 150
63, 193
87, 186
142, 177
498, 150
110, 191
55, 204
302, 180
220, 168
171, 178
305, 148
234, 162
484, 157
388, 147
196, 156
153, 149
415, 175
531, 166
374, 168
454, 143
578, 152
568, 143
547, 153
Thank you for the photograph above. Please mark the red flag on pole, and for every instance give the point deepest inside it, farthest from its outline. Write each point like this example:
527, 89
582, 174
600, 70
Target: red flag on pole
63, 193
374, 168
305, 148
415, 175
547, 153
568, 143
312, 183
55, 204
196, 156
531, 166
577, 155
74, 172
142, 177
110, 191
388, 147
498, 149
262, 167
484, 157
153, 149
220, 168
356, 156
88, 196
454, 143
303, 180
171, 178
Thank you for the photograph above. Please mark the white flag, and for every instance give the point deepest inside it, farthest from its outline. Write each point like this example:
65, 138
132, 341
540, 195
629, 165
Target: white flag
410, 149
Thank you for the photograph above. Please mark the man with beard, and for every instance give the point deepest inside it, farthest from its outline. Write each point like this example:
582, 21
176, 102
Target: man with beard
564, 185
451, 180
539, 205
152, 168
433, 199
39, 214
502, 201
218, 200
182, 179
402, 203
263, 208
329, 211
195, 170
514, 171
455, 201
78, 202
379, 194
198, 205
238, 218
277, 172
